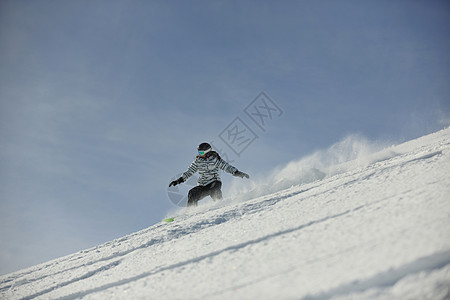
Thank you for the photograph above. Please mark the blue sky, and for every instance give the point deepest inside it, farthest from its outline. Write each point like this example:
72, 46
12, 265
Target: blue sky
103, 102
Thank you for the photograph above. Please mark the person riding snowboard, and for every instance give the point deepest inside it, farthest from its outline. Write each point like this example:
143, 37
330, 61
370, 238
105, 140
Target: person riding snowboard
207, 163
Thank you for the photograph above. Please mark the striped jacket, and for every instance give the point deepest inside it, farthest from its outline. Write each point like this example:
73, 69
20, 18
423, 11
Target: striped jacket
208, 168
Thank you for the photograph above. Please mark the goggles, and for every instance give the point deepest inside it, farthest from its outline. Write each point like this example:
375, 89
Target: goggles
203, 152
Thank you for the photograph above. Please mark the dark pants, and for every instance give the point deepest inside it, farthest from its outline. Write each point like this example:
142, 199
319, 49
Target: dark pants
199, 192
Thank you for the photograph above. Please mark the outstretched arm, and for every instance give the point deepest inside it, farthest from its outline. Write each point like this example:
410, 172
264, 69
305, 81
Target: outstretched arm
190, 171
230, 169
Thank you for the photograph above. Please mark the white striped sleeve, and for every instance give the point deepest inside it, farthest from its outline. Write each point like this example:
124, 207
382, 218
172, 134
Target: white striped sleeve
191, 170
225, 166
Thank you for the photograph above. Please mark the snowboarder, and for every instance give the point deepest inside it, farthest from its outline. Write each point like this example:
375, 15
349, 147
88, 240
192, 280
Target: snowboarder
207, 163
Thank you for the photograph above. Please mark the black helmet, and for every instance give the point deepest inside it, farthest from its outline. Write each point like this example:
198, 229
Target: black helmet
204, 147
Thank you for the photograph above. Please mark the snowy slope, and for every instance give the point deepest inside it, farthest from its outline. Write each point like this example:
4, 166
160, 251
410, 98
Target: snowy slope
378, 231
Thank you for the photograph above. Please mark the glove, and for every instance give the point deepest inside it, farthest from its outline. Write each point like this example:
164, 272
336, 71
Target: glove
241, 174
175, 182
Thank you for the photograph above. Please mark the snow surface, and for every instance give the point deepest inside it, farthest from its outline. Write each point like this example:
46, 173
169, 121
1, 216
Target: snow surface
373, 230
